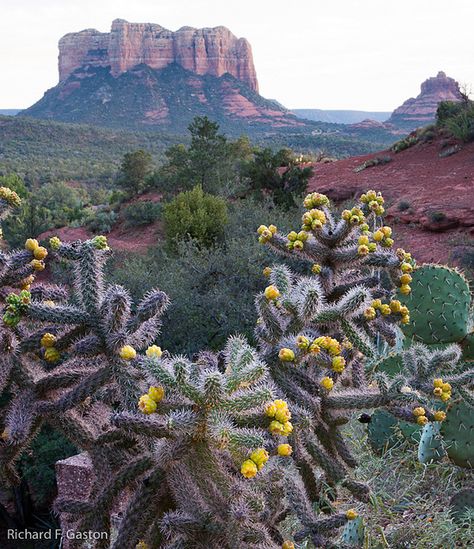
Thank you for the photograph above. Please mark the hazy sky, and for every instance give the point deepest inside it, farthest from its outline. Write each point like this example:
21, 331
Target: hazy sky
330, 54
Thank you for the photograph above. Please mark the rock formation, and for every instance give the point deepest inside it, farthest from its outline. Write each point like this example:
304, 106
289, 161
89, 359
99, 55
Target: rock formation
421, 110
203, 51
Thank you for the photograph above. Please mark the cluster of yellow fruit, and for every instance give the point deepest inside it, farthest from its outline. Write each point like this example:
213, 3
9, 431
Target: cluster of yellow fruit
148, 403
55, 243
355, 217
314, 200
127, 352
296, 240
10, 197
272, 292
154, 351
281, 424
256, 461
381, 236
386, 309
39, 252
441, 389
326, 343
266, 233
420, 415
48, 342
374, 201
406, 267
313, 220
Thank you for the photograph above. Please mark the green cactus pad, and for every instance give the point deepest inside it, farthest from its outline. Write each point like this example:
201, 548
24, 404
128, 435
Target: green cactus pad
385, 431
391, 365
460, 503
458, 434
430, 447
354, 533
439, 305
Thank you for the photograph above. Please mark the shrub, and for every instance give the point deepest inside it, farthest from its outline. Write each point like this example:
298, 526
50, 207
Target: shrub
142, 213
195, 214
436, 217
101, 221
403, 205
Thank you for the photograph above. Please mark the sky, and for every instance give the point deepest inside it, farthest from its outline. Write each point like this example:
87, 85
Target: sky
328, 54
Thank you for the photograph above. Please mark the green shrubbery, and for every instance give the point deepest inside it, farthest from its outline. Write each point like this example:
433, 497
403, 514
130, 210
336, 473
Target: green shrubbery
143, 212
457, 118
195, 214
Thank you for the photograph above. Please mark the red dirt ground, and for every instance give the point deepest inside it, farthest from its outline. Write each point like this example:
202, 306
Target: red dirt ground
425, 182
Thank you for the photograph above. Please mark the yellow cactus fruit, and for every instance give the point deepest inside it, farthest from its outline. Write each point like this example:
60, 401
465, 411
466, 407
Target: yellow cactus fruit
363, 240
351, 514
27, 282
31, 244
303, 236
259, 457
287, 355
48, 340
437, 391
378, 236
334, 347
127, 352
146, 404
405, 279
284, 450
438, 382
262, 229
283, 415
327, 383
372, 247
377, 303
316, 269
346, 215
276, 427
292, 236
445, 397
302, 342
287, 428
338, 364
446, 388
156, 393
405, 289
364, 228
55, 243
404, 310
370, 313
287, 544
271, 410
49, 303
38, 265
371, 195
422, 420
314, 348
267, 271
385, 309
419, 411
51, 355
363, 250
395, 306
387, 231
439, 415
406, 267
40, 252
298, 245
154, 351
346, 344
281, 404
142, 545
272, 229
272, 292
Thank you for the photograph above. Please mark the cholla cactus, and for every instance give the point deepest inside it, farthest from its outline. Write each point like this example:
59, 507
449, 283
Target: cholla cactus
74, 357
207, 446
317, 330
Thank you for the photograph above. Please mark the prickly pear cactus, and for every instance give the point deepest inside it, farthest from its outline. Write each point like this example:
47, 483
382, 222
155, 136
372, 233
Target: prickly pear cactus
386, 431
461, 503
353, 534
430, 447
439, 305
458, 434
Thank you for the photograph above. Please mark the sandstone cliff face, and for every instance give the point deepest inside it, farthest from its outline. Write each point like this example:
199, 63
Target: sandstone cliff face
203, 51
422, 109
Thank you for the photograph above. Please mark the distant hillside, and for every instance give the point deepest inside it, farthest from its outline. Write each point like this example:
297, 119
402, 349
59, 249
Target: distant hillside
340, 116
42, 149
9, 112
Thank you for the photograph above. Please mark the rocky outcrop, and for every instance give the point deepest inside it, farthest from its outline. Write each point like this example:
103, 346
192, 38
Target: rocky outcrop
421, 110
213, 51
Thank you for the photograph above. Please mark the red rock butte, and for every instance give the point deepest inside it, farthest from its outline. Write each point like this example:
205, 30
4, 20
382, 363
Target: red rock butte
213, 51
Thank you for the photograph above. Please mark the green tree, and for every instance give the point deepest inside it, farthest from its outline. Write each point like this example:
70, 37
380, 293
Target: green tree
135, 168
15, 183
195, 214
277, 174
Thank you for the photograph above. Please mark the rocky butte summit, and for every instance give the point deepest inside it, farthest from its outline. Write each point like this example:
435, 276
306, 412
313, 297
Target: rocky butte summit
141, 75
421, 110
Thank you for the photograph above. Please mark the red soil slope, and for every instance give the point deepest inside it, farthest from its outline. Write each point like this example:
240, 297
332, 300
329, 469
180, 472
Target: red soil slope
419, 178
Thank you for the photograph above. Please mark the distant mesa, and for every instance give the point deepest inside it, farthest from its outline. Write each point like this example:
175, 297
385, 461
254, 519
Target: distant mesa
213, 51
421, 110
